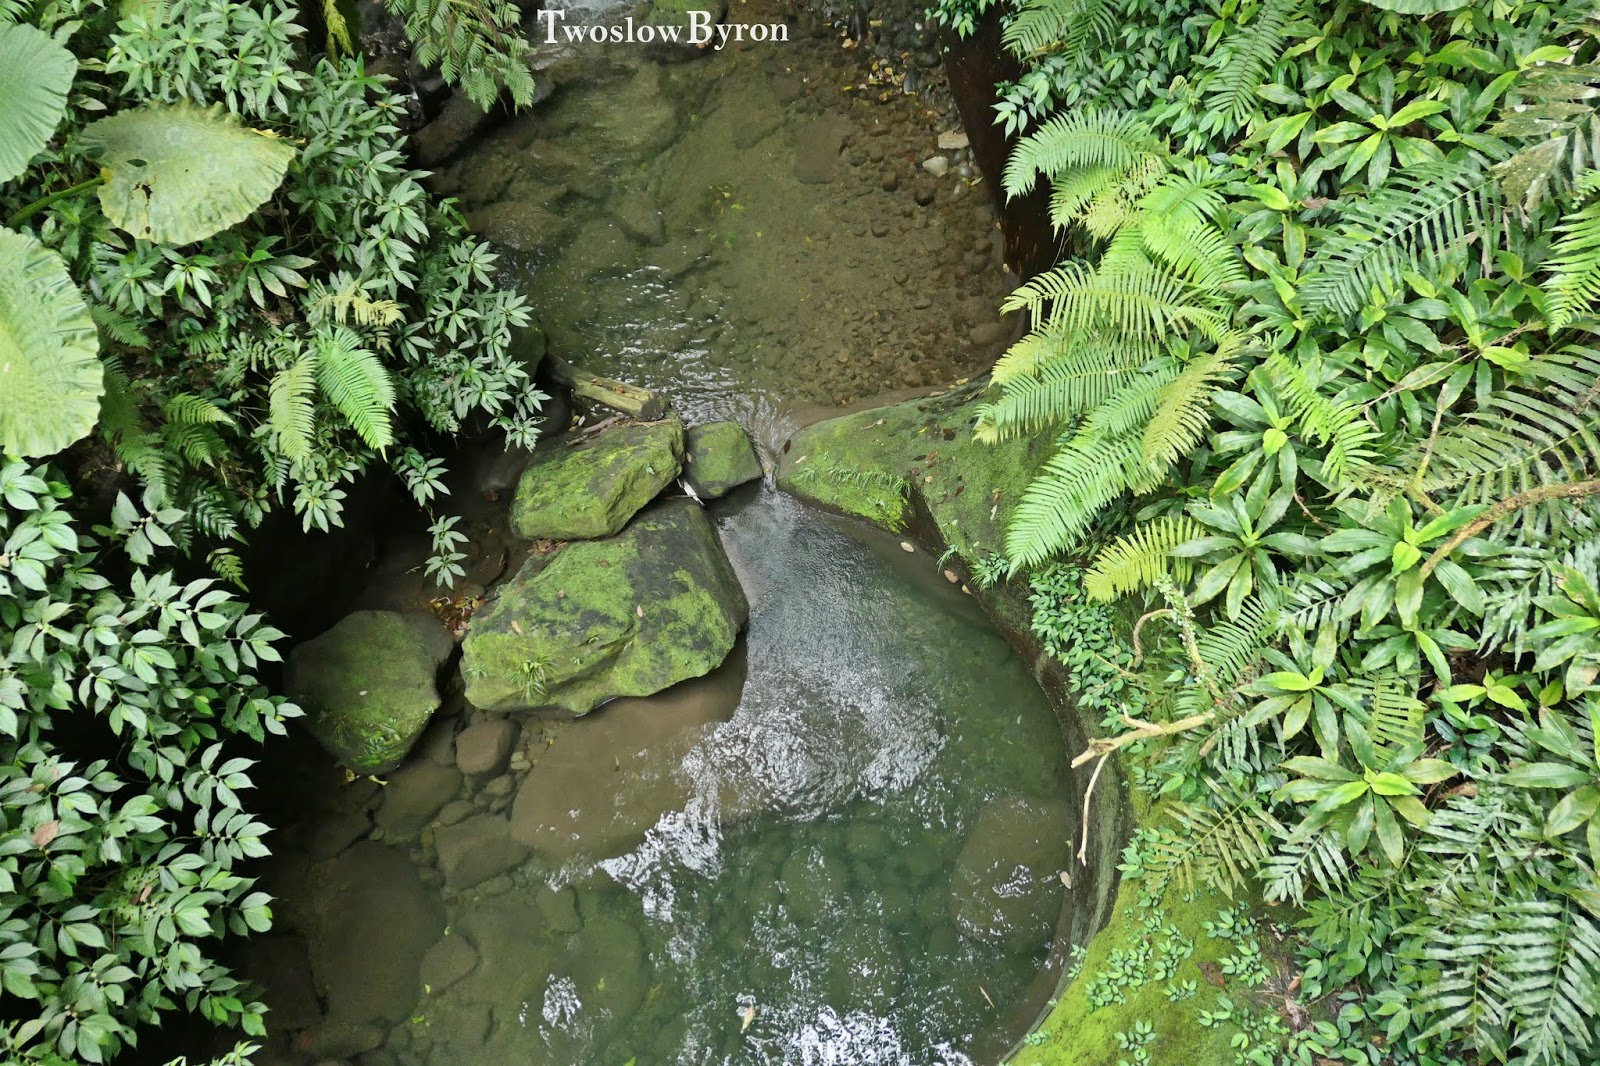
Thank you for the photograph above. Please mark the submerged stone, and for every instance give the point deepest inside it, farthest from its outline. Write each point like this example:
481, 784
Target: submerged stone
719, 458
475, 850
1007, 885
591, 490
626, 616
368, 685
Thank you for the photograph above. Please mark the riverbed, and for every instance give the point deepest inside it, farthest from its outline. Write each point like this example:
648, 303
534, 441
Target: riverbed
847, 844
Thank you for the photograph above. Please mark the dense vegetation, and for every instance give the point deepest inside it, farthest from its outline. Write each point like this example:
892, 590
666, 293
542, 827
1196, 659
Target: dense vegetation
1321, 368
219, 277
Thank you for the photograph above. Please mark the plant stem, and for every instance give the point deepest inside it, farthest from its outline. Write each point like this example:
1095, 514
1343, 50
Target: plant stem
39, 205
1566, 490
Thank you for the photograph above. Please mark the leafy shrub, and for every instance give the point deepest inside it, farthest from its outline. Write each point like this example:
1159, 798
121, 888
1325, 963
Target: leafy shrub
121, 807
1328, 335
273, 322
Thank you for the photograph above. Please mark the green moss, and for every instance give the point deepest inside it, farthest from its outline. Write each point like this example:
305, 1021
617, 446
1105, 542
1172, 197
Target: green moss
873, 463
626, 616
591, 490
719, 458
368, 687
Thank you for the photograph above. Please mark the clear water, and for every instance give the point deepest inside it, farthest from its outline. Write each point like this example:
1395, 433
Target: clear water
772, 872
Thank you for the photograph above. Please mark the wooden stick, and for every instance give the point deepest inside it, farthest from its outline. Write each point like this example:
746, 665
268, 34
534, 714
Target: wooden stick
643, 404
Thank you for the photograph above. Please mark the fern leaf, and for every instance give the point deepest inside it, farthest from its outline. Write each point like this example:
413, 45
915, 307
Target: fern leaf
1067, 28
1139, 559
290, 412
356, 382
1061, 388
1221, 843
1062, 501
1247, 57
1085, 138
1574, 287
1183, 410
1421, 221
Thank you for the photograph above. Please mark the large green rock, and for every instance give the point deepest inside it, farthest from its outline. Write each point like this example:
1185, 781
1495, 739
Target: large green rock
591, 490
626, 616
719, 459
368, 685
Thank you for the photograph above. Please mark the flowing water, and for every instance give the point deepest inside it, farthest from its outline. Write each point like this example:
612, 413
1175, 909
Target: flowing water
845, 846
853, 857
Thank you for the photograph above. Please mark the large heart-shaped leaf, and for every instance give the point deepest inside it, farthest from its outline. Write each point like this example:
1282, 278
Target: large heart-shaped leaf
179, 173
35, 74
50, 381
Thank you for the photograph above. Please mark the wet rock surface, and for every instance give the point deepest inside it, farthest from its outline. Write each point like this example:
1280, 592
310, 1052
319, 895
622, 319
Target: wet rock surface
630, 615
718, 458
368, 685
574, 490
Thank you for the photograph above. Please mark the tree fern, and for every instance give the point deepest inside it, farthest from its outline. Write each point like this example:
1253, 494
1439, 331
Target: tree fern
1141, 558
354, 380
1420, 221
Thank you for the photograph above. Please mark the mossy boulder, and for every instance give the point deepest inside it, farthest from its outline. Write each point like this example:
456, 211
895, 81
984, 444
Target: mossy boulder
591, 489
719, 458
872, 464
629, 615
368, 685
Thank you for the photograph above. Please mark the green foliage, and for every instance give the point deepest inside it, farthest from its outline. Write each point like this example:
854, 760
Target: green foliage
121, 809
1322, 357
307, 307
35, 74
179, 174
50, 380
478, 47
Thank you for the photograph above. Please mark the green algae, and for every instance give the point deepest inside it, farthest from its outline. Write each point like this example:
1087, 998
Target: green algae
881, 464
578, 492
718, 458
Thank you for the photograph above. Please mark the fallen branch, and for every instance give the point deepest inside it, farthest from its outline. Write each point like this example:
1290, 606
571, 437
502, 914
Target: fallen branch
642, 404
1570, 490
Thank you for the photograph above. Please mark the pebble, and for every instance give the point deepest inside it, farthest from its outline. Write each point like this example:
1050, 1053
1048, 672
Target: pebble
906, 546
952, 141
937, 165
890, 181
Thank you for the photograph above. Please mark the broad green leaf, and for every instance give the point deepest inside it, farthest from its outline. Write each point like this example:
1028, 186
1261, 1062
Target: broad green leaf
1387, 784
180, 173
1575, 808
50, 375
1545, 775
1419, 7
35, 74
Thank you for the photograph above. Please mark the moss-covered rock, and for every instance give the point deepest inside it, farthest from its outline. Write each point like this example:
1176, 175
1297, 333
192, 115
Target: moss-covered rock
719, 458
626, 616
873, 463
368, 685
578, 492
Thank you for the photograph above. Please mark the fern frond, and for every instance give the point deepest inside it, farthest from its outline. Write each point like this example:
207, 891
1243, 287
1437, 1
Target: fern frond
290, 412
1574, 286
356, 382
1060, 389
1086, 138
1247, 56
1221, 843
1139, 559
1317, 858
1139, 302
187, 408
1422, 220
1183, 410
1067, 28
1062, 501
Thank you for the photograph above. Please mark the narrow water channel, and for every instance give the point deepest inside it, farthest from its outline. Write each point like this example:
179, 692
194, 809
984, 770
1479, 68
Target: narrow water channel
845, 846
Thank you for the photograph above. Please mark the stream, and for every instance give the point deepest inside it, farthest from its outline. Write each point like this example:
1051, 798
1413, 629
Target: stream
844, 846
